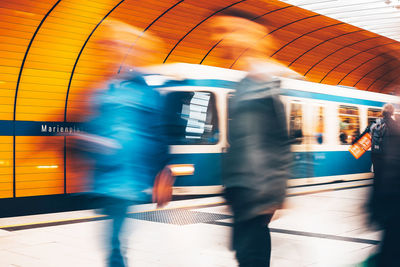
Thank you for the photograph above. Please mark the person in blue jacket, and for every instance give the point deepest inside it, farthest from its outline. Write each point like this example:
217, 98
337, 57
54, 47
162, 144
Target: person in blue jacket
124, 137
129, 120
134, 149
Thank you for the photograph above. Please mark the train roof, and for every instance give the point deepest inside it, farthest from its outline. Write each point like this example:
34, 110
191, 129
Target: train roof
197, 71
180, 71
337, 91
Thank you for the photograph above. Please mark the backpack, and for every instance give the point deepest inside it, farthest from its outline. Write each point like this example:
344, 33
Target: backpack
378, 131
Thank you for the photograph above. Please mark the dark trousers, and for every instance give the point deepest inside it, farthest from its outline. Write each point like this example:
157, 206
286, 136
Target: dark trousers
374, 198
377, 162
116, 209
252, 241
389, 255
251, 237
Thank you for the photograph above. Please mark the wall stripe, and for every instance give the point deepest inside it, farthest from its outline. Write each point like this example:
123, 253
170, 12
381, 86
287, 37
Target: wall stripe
307, 33
353, 56
277, 29
330, 54
389, 83
18, 82
381, 77
69, 87
198, 24
215, 45
321, 43
377, 67
38, 128
365, 62
154, 21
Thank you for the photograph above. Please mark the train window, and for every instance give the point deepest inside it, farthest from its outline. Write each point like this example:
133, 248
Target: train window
318, 125
192, 118
397, 116
349, 124
296, 123
373, 114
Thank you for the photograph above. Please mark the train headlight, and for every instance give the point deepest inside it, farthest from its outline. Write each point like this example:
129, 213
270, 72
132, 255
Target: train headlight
182, 169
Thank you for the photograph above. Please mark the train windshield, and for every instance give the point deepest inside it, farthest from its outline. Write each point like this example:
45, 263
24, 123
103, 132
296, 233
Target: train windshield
192, 118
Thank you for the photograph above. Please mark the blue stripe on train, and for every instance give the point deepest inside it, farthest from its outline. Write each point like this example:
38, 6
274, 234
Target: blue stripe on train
328, 163
288, 92
306, 164
334, 98
207, 169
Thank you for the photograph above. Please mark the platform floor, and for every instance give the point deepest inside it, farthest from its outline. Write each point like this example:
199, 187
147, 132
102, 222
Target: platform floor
319, 226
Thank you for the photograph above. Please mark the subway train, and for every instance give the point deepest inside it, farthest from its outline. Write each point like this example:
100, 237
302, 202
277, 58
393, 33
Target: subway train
322, 122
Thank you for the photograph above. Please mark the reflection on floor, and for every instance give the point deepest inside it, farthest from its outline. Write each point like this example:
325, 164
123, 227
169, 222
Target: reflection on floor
326, 228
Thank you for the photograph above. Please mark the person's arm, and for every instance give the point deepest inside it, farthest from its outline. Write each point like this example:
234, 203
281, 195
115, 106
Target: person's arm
367, 130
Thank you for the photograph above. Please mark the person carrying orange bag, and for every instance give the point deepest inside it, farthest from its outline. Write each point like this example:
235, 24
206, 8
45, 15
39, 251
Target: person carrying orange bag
362, 144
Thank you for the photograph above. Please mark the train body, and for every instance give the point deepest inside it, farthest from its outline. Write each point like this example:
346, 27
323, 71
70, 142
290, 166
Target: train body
322, 122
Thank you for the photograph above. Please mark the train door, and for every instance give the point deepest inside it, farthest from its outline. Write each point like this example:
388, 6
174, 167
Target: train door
299, 135
197, 133
296, 119
306, 121
317, 139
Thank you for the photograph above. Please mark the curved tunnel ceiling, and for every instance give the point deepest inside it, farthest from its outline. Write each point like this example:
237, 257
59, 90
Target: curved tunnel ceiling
47, 54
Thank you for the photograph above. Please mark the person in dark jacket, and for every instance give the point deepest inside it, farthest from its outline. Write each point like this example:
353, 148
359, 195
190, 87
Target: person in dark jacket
255, 168
380, 130
385, 198
256, 165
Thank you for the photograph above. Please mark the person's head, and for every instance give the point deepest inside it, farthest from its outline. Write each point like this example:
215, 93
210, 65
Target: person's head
241, 33
343, 138
388, 110
120, 46
114, 48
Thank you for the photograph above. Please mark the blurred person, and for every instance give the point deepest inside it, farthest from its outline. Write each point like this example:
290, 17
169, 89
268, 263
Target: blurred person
343, 138
385, 197
378, 131
124, 135
355, 135
256, 165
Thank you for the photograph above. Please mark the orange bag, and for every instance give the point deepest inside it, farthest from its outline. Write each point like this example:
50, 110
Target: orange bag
162, 190
362, 145
365, 141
